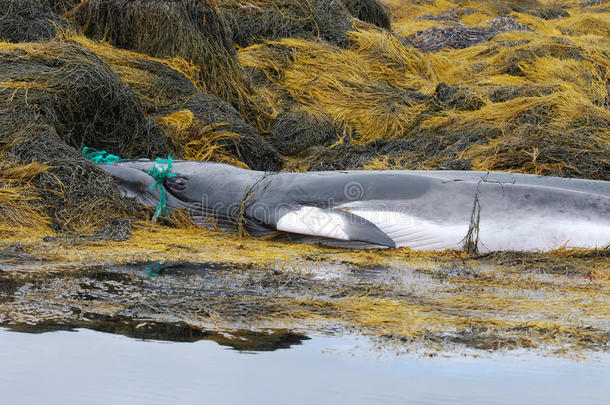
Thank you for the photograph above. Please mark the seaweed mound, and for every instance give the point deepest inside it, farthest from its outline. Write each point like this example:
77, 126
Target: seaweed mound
17, 196
521, 101
374, 89
56, 97
78, 94
460, 37
444, 149
260, 20
531, 7
207, 128
195, 123
73, 192
163, 85
191, 29
371, 11
28, 20
296, 130
60, 6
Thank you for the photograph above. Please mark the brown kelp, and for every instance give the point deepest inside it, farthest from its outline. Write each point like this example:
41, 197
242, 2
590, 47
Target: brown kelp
191, 29
28, 20
532, 98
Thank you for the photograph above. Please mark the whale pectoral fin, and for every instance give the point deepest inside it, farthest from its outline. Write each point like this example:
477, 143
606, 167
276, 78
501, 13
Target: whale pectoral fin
415, 233
332, 223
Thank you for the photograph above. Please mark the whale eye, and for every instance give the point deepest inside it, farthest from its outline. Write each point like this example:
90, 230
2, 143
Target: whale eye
177, 183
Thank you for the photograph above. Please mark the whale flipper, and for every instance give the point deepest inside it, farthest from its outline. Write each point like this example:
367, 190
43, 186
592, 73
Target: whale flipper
332, 223
413, 232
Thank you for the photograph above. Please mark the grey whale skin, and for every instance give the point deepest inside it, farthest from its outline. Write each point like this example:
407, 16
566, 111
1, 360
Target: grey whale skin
426, 210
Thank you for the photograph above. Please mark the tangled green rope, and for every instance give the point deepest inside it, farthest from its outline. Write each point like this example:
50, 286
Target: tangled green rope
162, 169
154, 271
99, 157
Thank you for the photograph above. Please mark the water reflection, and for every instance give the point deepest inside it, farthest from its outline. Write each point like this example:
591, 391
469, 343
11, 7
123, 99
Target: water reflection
242, 340
90, 367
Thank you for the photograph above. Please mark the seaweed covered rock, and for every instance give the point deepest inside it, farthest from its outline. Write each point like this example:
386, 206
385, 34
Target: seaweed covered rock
77, 93
429, 151
343, 156
531, 7
200, 126
208, 128
485, 107
162, 84
256, 151
260, 20
508, 57
589, 24
19, 198
191, 29
371, 11
28, 20
56, 97
377, 88
60, 6
298, 129
465, 99
521, 134
592, 3
459, 37
73, 192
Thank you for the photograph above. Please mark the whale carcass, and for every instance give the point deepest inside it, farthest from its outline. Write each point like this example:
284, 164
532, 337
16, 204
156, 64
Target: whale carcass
427, 210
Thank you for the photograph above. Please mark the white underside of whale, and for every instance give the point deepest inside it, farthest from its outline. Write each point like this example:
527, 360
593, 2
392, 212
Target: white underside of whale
523, 234
314, 221
531, 233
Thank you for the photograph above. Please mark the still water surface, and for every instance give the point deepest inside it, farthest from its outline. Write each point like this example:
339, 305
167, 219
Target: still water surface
88, 367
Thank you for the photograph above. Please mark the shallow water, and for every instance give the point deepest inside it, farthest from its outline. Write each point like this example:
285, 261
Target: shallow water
88, 367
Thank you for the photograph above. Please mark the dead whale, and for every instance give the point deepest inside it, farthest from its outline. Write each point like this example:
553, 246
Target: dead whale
427, 210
